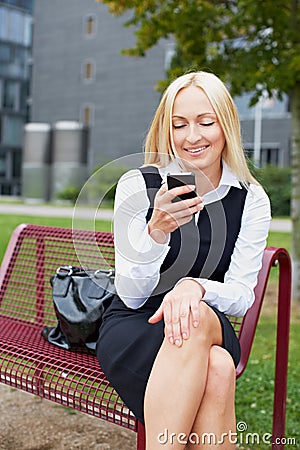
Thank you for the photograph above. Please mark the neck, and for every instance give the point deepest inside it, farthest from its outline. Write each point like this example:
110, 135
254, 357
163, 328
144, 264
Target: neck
206, 181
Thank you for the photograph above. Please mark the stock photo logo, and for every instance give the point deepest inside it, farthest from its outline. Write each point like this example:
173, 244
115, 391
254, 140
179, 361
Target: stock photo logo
241, 436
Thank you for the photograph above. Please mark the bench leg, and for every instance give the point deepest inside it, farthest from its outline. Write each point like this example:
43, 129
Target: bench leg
140, 443
281, 367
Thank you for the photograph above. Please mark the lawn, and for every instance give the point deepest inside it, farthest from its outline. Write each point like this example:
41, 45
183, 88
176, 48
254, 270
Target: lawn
279, 239
9, 222
254, 398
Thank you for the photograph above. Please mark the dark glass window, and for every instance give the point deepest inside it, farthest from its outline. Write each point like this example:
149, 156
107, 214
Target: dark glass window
5, 53
3, 22
2, 165
12, 131
16, 164
11, 97
25, 4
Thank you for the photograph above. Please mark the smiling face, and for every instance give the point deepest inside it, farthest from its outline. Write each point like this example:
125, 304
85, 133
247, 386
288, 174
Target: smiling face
197, 135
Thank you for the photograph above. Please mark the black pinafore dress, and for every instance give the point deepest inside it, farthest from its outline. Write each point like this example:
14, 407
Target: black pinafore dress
128, 344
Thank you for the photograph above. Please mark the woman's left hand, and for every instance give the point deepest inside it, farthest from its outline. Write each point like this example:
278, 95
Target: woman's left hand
180, 309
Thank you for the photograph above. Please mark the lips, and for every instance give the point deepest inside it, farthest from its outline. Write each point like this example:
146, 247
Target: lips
196, 149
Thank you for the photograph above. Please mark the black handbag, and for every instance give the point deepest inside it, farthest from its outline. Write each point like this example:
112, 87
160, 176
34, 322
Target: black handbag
80, 298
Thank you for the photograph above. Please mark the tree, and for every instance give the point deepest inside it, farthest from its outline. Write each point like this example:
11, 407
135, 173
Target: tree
253, 46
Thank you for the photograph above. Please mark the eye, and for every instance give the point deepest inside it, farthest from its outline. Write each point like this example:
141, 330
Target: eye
207, 124
177, 127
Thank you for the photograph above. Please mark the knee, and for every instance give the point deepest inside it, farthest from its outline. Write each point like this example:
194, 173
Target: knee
221, 376
209, 329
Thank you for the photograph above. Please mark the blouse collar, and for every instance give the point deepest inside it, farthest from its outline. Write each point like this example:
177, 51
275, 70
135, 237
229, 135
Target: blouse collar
228, 178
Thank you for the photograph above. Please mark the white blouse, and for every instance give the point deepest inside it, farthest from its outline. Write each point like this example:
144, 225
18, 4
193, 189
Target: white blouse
139, 257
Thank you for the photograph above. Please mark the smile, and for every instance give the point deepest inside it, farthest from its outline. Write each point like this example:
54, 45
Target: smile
196, 150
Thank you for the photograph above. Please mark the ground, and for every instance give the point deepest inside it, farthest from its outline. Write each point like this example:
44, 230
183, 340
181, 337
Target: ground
30, 423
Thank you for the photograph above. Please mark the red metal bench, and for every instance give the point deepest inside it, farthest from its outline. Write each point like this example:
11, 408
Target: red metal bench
75, 380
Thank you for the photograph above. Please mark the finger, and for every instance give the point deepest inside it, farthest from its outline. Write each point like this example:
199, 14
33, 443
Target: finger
162, 190
157, 316
180, 190
195, 311
176, 325
167, 309
184, 208
195, 202
185, 320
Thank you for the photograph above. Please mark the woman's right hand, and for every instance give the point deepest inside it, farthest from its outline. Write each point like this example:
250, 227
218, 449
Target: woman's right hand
167, 215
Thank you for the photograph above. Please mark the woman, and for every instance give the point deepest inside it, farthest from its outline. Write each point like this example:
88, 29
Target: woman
165, 342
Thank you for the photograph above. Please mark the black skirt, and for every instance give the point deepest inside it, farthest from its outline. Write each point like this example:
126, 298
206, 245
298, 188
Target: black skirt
128, 345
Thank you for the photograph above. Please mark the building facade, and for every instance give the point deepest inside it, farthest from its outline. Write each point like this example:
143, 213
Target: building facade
266, 130
80, 75
15, 64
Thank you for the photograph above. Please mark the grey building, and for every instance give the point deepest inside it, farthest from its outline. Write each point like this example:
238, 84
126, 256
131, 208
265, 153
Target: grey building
80, 75
266, 130
15, 52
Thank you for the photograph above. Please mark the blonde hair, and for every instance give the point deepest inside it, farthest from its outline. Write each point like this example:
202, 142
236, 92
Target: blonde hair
159, 148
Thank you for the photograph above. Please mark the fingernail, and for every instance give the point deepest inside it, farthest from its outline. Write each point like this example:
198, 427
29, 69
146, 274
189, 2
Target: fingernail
195, 323
178, 342
184, 335
171, 340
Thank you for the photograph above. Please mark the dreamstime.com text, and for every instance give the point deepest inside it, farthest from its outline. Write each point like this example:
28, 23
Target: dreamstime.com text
241, 436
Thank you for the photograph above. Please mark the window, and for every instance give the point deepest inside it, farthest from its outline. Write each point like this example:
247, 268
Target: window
2, 165
12, 131
15, 26
87, 114
1, 96
269, 156
11, 97
26, 4
27, 30
88, 71
5, 53
16, 164
90, 25
3, 23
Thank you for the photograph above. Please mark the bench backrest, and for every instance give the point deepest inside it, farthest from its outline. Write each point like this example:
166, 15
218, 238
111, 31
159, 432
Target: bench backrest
35, 252
33, 255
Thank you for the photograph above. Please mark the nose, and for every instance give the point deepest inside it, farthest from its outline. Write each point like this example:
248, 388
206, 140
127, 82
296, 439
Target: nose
194, 134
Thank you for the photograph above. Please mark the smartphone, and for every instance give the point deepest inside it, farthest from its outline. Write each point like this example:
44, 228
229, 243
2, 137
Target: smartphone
182, 179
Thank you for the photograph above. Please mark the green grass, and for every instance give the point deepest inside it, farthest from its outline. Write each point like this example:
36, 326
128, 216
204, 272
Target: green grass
9, 222
254, 396
279, 239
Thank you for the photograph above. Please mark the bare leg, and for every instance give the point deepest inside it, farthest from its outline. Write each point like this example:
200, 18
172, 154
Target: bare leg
177, 384
215, 426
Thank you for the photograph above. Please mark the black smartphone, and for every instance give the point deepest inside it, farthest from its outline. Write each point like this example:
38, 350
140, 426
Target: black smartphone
182, 179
